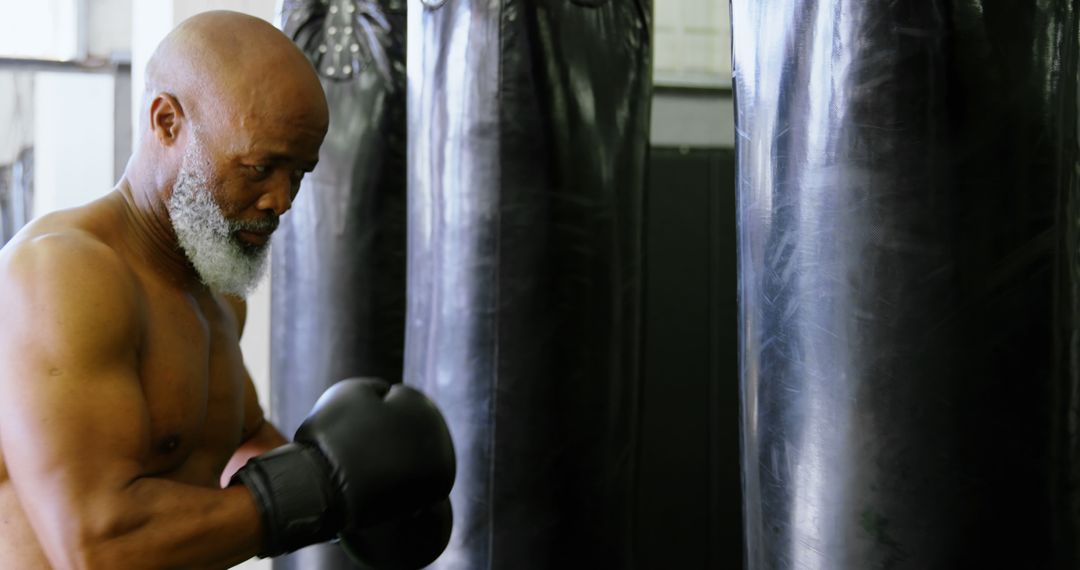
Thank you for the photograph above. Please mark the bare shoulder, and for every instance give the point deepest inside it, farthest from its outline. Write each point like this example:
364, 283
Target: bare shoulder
74, 257
67, 282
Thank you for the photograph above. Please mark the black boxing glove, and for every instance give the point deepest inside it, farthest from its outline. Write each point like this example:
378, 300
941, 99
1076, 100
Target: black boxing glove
367, 453
407, 542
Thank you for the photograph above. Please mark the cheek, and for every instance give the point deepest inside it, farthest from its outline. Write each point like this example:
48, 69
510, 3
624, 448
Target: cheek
234, 195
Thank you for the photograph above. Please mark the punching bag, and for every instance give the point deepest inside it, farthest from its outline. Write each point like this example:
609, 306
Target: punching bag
907, 220
338, 287
528, 133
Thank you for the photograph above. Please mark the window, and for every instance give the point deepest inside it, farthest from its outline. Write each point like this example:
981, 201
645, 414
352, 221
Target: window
693, 44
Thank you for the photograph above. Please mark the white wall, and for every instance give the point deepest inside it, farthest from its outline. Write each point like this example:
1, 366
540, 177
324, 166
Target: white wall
73, 139
40, 29
109, 28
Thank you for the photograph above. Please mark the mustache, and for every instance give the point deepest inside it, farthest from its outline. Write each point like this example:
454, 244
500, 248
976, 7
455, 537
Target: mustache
263, 225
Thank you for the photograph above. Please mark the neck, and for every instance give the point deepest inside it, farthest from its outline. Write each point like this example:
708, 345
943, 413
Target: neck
152, 235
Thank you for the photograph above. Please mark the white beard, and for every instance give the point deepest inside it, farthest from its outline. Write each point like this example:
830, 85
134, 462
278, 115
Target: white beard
223, 263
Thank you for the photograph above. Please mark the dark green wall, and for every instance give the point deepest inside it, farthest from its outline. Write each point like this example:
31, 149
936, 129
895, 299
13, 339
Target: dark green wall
689, 506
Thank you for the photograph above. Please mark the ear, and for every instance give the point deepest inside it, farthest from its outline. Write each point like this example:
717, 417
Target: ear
166, 117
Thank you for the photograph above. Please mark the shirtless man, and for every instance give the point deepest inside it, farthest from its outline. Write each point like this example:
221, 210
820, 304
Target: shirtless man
127, 419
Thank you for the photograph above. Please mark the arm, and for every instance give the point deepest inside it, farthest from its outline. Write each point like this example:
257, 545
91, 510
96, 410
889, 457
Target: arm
75, 429
260, 435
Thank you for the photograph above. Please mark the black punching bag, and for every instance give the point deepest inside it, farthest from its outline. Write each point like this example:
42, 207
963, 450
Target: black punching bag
907, 218
338, 289
528, 133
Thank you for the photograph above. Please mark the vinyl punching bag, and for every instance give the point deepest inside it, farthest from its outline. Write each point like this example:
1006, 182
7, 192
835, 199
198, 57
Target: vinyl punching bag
338, 289
907, 218
528, 132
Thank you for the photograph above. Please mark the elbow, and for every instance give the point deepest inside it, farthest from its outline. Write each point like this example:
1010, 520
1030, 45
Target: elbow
95, 557
106, 546
85, 555
97, 545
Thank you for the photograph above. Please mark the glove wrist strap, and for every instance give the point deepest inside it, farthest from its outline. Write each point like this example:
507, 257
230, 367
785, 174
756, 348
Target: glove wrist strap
292, 490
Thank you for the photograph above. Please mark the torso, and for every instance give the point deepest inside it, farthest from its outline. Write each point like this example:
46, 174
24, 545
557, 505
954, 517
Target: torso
191, 371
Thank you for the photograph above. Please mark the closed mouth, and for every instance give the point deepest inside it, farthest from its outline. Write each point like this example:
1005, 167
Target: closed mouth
254, 238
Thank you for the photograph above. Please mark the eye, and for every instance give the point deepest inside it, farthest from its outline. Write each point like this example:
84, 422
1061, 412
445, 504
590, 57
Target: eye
260, 172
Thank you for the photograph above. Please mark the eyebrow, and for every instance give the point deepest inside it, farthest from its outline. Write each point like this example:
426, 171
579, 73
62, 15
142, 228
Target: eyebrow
278, 157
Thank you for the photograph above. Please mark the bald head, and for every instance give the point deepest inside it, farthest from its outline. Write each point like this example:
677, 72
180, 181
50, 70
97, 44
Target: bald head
234, 116
238, 86
226, 67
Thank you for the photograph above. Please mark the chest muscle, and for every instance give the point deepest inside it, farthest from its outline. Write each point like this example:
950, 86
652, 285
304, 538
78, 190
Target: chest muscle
192, 374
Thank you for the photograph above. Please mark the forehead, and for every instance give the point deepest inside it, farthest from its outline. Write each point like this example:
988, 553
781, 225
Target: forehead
284, 114
265, 132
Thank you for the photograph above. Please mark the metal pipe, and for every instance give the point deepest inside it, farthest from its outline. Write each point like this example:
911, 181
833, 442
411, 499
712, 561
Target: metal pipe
91, 65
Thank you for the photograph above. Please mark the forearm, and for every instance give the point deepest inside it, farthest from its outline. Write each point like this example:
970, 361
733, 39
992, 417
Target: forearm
156, 523
165, 524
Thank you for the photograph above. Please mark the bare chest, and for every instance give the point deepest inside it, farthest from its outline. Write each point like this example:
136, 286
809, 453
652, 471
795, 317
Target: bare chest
193, 377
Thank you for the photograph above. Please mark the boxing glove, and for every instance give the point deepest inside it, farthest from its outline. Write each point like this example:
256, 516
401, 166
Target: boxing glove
407, 542
368, 453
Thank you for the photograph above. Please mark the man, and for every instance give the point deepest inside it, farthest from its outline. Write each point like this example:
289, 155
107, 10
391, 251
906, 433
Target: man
126, 413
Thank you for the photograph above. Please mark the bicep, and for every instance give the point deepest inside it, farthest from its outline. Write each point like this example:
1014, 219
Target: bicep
64, 416
74, 427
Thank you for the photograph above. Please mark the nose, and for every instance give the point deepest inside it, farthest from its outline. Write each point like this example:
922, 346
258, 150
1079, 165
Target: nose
277, 198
